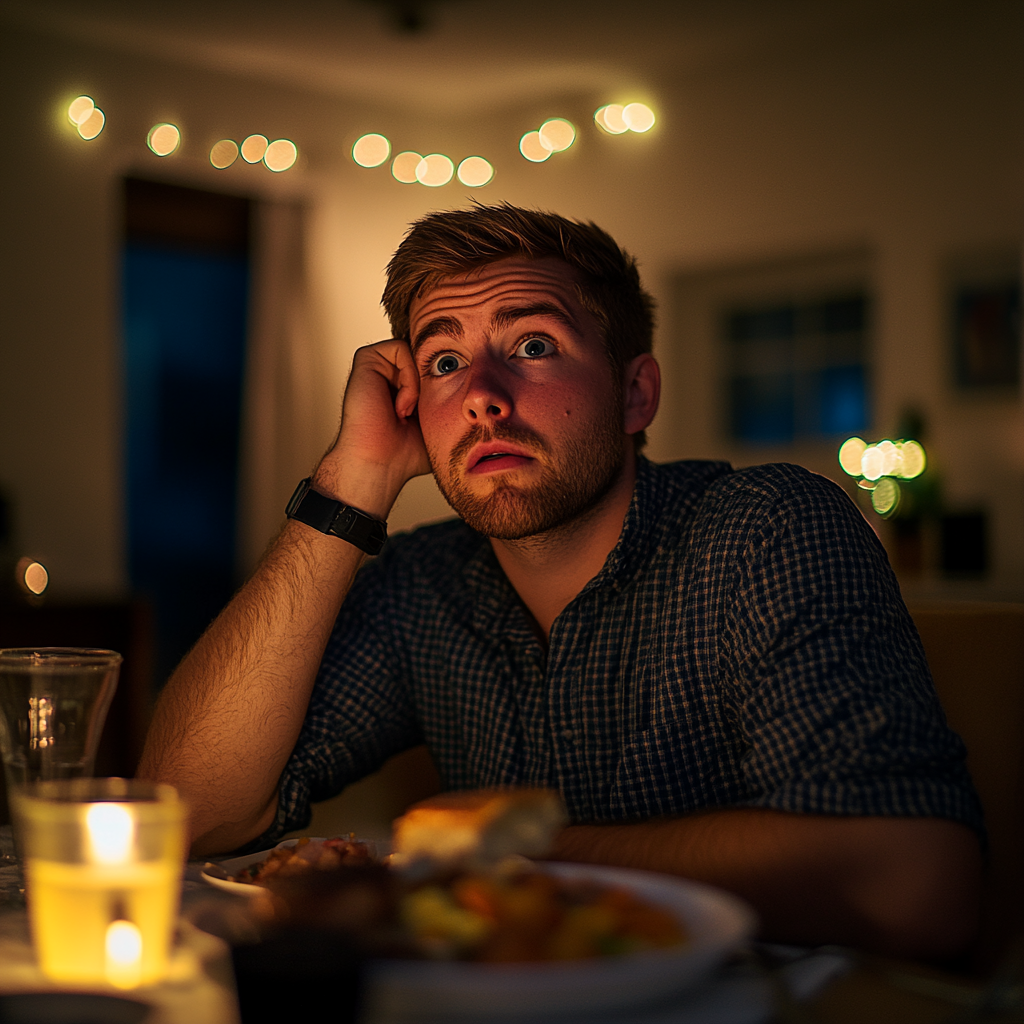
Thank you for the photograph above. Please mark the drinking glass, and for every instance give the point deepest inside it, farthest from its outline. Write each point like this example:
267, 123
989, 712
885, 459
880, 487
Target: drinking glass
53, 703
102, 861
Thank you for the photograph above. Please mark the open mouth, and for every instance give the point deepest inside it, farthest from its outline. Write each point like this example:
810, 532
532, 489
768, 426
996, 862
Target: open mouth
495, 460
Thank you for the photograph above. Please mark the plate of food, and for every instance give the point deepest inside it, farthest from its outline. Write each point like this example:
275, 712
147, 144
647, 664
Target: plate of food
250, 875
670, 934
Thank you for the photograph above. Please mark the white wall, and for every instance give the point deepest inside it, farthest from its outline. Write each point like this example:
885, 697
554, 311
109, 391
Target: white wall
909, 148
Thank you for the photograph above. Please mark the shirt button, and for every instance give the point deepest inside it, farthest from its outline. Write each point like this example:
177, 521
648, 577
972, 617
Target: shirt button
568, 735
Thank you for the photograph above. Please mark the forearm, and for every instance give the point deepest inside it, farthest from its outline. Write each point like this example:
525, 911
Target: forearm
228, 718
903, 886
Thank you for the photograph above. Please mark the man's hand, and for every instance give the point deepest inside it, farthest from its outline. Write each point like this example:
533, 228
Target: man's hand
228, 719
900, 886
379, 447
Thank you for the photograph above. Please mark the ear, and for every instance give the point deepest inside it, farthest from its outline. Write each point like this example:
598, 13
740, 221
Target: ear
641, 393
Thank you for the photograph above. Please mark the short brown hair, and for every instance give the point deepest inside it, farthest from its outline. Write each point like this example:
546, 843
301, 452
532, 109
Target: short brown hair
451, 242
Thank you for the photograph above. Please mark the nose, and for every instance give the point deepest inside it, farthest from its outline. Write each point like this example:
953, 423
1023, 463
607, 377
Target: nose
487, 396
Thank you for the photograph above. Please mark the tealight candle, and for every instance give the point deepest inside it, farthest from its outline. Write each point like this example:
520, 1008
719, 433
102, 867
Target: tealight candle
103, 861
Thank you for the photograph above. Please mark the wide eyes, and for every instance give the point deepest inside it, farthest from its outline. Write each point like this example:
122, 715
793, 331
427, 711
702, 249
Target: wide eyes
444, 364
534, 348
449, 362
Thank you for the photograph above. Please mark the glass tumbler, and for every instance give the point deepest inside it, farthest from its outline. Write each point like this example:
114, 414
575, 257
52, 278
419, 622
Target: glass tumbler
53, 703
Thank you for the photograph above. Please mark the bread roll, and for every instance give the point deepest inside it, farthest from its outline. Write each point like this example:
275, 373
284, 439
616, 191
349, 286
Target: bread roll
479, 827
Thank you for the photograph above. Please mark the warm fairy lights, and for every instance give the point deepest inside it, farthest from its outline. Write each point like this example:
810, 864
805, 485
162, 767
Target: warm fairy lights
280, 155
31, 576
371, 150
616, 119
532, 148
556, 134
253, 148
435, 170
87, 118
475, 172
403, 167
224, 153
163, 139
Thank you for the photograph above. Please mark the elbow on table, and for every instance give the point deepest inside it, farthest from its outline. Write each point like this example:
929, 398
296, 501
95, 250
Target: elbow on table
926, 902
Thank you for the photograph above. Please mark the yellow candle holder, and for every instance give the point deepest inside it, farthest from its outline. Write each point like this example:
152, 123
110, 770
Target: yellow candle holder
102, 865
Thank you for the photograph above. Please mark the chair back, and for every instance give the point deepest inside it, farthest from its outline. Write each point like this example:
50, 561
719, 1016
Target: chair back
976, 654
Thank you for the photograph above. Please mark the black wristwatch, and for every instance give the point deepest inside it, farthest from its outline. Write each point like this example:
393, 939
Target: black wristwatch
339, 520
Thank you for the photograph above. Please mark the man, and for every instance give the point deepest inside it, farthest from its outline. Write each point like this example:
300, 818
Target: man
713, 667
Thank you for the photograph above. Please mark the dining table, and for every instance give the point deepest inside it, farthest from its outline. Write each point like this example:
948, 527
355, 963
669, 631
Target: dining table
759, 984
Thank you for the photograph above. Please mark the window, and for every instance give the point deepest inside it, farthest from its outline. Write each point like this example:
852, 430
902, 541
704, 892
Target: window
797, 370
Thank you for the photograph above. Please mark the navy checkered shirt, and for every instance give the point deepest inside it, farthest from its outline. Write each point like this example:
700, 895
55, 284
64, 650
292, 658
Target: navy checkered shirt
744, 645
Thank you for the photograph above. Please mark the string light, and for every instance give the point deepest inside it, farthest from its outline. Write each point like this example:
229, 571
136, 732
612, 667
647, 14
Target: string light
533, 149
371, 150
280, 155
403, 167
616, 119
556, 134
475, 171
253, 148
638, 117
224, 153
609, 118
87, 118
435, 170
163, 139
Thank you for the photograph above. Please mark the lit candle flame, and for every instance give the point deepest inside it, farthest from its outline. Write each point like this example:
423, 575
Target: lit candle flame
124, 954
111, 833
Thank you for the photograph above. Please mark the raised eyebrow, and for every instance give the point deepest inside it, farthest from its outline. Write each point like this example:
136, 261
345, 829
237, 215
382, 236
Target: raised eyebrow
447, 326
508, 317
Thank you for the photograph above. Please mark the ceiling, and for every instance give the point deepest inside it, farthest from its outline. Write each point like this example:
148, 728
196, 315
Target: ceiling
467, 55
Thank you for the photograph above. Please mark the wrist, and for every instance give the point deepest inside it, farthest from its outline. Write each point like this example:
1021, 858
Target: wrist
365, 486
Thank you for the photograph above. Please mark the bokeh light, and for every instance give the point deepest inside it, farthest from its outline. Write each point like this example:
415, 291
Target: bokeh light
890, 456
253, 148
403, 167
886, 496
872, 463
280, 155
475, 171
610, 119
638, 117
163, 139
850, 453
92, 125
912, 460
371, 150
224, 153
556, 134
435, 170
80, 108
532, 148
31, 576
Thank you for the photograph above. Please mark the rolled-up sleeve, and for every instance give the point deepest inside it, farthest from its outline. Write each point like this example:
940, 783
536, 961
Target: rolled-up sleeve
833, 694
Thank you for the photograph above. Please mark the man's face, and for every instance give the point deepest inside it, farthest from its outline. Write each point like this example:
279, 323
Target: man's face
520, 410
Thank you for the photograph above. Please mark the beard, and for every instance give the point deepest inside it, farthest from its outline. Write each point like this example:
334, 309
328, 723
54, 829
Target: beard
574, 479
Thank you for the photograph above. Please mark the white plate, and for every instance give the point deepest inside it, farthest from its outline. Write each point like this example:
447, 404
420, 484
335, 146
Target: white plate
236, 864
717, 923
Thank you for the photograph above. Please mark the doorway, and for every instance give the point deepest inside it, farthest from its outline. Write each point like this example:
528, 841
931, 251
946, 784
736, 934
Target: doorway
185, 289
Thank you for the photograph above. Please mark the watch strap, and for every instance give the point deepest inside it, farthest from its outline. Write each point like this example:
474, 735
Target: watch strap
336, 518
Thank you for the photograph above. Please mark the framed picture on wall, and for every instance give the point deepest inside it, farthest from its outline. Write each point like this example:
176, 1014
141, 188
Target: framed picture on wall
986, 326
